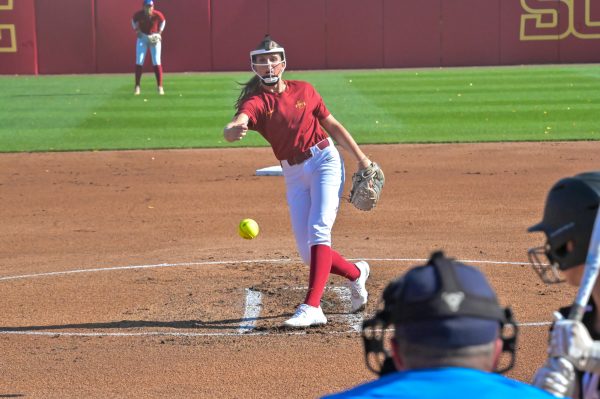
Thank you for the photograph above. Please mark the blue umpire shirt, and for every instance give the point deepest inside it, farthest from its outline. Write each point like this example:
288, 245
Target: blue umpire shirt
446, 383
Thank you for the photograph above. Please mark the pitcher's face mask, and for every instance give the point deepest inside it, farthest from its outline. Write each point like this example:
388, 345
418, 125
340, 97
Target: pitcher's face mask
268, 65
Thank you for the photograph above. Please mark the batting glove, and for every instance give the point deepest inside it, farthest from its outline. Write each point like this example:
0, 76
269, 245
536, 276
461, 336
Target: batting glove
570, 339
556, 376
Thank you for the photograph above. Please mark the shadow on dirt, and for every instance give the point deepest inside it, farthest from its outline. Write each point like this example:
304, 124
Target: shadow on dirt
226, 324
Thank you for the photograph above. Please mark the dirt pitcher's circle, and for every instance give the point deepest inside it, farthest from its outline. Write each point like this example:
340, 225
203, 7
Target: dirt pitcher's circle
178, 305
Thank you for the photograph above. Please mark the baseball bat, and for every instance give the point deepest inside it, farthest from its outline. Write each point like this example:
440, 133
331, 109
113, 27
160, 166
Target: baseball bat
590, 274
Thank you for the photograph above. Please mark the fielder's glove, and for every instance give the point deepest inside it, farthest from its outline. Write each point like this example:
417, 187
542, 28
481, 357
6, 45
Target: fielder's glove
154, 38
366, 188
571, 340
556, 376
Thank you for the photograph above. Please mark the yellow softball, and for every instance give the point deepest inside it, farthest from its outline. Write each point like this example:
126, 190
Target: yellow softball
248, 229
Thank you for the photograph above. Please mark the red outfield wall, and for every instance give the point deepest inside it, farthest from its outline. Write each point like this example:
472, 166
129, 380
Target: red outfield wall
18, 47
95, 36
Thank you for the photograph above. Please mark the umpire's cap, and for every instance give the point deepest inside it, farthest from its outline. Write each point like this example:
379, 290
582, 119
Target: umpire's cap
147, 3
569, 215
444, 304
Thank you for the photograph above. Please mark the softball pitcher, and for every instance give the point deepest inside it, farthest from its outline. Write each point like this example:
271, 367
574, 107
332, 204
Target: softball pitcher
148, 24
292, 117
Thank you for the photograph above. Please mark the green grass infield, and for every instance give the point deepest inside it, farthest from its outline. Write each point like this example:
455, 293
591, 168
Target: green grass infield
100, 112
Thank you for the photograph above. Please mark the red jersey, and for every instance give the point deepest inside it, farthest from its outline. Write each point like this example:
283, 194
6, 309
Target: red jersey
149, 24
289, 121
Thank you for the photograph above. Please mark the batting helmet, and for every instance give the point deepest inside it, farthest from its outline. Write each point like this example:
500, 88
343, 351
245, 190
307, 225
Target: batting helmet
268, 46
569, 216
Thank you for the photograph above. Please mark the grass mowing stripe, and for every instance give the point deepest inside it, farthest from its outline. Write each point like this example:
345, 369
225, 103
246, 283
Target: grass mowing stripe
340, 96
509, 104
42, 111
84, 112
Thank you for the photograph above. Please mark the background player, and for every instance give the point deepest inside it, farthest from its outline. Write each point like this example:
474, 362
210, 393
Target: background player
292, 117
149, 24
569, 216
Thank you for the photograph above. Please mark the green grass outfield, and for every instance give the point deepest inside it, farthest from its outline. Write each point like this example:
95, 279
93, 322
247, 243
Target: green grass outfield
96, 112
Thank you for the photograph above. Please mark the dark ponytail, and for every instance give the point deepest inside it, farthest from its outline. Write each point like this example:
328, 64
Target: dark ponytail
249, 88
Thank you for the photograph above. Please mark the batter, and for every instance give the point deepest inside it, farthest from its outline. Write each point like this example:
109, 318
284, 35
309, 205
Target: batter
573, 367
293, 118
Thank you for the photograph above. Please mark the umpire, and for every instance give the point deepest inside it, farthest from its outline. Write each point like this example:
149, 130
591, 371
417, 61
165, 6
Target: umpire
447, 338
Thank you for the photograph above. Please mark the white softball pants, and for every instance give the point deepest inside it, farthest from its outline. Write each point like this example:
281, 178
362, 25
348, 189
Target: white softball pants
313, 191
141, 48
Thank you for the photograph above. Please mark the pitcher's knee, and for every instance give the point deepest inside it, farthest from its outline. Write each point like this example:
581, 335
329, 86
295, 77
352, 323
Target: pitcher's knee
305, 255
320, 238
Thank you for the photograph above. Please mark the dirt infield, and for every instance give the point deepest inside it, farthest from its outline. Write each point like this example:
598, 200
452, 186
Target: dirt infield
122, 274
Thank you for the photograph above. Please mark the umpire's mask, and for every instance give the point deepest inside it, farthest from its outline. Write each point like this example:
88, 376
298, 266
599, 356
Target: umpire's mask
443, 304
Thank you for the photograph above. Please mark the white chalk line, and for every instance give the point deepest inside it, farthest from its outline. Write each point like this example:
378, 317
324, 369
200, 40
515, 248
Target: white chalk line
535, 324
229, 262
355, 320
198, 334
252, 310
156, 266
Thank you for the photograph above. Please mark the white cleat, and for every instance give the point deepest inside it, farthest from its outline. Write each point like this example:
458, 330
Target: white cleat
161, 91
137, 91
306, 316
357, 288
